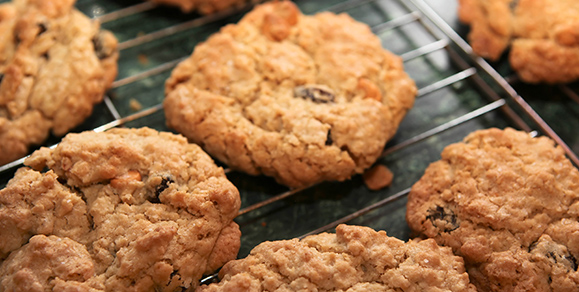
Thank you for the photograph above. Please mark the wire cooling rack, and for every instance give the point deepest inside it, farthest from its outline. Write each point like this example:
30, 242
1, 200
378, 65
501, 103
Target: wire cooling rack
458, 93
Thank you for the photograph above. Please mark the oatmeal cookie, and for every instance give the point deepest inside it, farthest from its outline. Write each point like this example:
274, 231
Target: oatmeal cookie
203, 6
354, 259
138, 210
543, 35
55, 64
509, 204
301, 98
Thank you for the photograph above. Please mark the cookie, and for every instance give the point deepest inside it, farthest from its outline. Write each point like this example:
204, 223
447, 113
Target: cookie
355, 258
55, 64
300, 98
543, 35
130, 209
49, 261
509, 204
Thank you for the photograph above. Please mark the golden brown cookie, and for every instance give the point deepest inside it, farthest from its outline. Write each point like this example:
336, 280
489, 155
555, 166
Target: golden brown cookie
509, 204
202, 6
53, 262
301, 98
146, 211
354, 259
543, 35
55, 64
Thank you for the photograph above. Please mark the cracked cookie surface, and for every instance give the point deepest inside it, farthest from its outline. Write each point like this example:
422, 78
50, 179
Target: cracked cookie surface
55, 64
543, 35
355, 258
301, 98
146, 211
509, 204
202, 6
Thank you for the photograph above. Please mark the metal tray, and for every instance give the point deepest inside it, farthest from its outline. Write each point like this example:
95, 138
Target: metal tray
459, 93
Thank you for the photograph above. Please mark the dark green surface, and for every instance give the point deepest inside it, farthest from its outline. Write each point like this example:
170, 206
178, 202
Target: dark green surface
322, 204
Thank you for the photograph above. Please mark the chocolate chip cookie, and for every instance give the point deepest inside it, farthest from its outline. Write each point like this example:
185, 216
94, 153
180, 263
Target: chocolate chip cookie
202, 6
301, 98
543, 35
509, 204
354, 259
55, 64
124, 210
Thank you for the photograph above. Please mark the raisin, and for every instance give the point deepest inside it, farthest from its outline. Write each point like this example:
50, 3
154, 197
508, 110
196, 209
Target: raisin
554, 252
160, 188
441, 214
329, 140
42, 28
572, 261
316, 93
100, 47
164, 185
513, 5
568, 261
533, 245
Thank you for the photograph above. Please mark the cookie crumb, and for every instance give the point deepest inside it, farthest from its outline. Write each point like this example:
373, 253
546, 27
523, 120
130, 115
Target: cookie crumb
135, 105
378, 177
143, 60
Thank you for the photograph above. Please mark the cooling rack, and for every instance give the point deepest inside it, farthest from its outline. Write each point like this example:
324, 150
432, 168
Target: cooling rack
458, 93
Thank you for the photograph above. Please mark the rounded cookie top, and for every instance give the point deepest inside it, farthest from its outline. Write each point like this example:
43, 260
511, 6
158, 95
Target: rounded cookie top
55, 64
355, 258
301, 98
202, 6
543, 35
509, 204
152, 211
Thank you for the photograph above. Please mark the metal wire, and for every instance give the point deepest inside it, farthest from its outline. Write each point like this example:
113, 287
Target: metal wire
448, 32
128, 11
168, 31
569, 92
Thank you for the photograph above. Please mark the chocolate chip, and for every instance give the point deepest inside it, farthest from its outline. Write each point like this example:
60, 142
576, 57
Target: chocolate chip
448, 217
316, 93
42, 28
329, 140
1, 77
